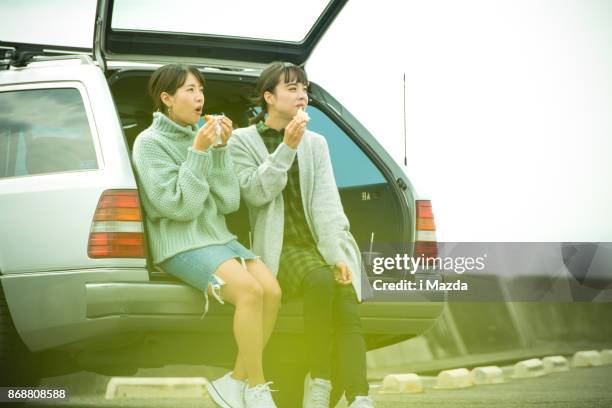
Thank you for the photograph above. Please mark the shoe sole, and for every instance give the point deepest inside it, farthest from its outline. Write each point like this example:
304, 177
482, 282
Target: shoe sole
216, 396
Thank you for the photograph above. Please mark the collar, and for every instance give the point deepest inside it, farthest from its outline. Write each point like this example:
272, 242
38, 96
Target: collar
265, 130
167, 127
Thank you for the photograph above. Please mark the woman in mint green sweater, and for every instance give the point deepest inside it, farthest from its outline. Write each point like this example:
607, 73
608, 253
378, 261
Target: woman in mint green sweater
187, 185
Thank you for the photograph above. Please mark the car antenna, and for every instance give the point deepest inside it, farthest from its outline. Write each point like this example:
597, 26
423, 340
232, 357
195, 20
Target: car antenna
405, 148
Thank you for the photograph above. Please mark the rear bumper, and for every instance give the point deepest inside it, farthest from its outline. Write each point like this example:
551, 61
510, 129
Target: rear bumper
69, 310
152, 305
49, 309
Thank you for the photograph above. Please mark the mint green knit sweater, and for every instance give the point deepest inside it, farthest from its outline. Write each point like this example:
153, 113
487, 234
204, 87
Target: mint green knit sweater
184, 192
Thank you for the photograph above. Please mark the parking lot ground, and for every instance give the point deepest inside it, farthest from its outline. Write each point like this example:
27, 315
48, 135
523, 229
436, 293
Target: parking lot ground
578, 388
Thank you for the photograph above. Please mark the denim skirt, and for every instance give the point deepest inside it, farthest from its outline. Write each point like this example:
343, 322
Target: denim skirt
197, 266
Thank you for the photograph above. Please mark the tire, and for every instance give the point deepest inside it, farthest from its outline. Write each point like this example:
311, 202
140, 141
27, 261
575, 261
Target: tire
18, 364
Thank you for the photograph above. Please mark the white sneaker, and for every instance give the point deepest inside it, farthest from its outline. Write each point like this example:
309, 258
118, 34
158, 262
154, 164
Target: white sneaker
259, 396
316, 392
226, 391
362, 402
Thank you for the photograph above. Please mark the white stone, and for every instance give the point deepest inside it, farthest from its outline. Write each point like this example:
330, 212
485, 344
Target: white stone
451, 379
587, 358
529, 368
156, 387
487, 375
606, 356
555, 364
402, 383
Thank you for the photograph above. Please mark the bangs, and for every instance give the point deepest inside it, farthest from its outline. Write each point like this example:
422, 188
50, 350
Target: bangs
196, 73
294, 74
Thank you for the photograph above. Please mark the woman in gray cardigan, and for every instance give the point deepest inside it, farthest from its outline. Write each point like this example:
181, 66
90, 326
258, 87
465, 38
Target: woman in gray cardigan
301, 232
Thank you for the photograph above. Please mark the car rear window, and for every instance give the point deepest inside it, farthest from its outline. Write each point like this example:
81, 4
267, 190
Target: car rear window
352, 167
44, 131
279, 20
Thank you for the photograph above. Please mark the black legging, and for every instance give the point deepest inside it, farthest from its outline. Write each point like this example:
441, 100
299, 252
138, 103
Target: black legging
333, 328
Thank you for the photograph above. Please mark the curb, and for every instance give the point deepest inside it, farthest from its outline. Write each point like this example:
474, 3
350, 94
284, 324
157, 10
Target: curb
156, 387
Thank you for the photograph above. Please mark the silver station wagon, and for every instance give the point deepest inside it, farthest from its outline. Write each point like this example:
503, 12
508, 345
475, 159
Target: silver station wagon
78, 290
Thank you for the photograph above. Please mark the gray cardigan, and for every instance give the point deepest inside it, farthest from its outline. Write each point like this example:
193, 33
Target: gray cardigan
263, 176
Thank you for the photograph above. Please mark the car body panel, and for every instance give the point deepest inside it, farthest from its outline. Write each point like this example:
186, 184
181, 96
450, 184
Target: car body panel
51, 214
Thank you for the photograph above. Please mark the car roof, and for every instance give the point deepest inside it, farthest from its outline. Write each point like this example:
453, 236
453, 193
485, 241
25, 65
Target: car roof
64, 68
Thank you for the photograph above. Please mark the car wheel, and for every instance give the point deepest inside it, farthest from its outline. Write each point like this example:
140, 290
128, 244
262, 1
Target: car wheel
18, 368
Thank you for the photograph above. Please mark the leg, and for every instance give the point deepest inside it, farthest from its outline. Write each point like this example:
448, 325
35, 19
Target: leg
242, 290
349, 371
271, 303
318, 288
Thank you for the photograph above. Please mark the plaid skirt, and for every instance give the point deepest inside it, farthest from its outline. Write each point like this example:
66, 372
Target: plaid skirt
296, 262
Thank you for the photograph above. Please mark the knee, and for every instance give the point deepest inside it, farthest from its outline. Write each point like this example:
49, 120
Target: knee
322, 281
251, 293
346, 311
271, 290
273, 293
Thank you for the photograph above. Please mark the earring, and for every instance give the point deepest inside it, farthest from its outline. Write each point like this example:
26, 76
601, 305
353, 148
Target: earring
169, 111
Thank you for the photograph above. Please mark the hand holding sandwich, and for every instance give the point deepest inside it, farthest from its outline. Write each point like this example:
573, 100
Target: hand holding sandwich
207, 135
295, 129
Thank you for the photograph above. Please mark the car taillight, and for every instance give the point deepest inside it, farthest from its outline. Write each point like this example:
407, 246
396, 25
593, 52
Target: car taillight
116, 230
426, 243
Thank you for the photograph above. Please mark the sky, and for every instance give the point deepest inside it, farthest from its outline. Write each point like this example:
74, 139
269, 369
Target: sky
508, 102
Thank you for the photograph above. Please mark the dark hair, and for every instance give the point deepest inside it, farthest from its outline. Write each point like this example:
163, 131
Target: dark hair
168, 79
269, 78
